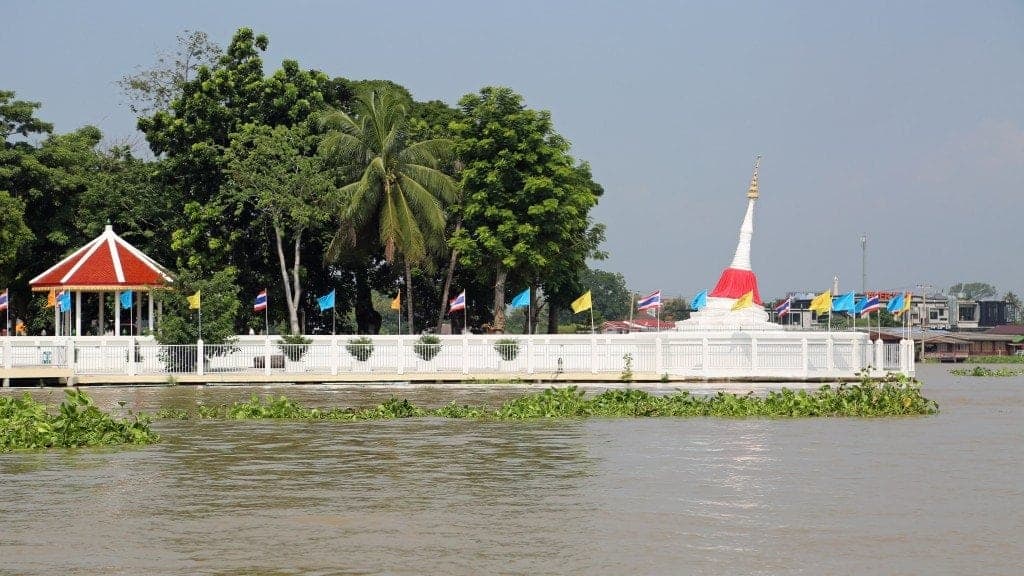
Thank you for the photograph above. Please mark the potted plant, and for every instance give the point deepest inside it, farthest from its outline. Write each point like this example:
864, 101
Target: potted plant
507, 348
360, 348
294, 346
427, 346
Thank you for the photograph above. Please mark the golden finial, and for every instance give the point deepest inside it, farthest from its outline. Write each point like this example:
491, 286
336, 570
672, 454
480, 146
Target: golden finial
752, 191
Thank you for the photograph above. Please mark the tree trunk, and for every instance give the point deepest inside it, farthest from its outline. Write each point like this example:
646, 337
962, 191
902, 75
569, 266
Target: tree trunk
408, 295
498, 324
291, 289
552, 319
367, 319
448, 281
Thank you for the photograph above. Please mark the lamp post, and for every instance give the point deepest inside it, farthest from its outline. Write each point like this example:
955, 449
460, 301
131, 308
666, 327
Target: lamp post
864, 264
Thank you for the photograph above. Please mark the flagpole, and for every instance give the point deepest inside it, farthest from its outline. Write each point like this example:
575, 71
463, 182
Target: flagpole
529, 315
334, 318
200, 320
591, 317
632, 299
465, 318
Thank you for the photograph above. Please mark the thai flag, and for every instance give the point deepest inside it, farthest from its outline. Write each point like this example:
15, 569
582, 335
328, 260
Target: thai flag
457, 303
651, 301
784, 308
870, 305
3, 300
261, 302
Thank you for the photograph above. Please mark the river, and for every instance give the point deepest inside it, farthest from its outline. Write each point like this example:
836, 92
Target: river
924, 495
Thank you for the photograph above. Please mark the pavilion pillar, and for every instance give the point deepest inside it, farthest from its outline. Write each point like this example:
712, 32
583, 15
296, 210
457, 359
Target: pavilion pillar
99, 315
117, 313
152, 328
78, 313
56, 318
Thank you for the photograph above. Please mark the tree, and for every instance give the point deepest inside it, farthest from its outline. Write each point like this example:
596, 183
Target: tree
610, 297
15, 235
1013, 305
154, 88
220, 306
272, 169
525, 201
973, 290
400, 191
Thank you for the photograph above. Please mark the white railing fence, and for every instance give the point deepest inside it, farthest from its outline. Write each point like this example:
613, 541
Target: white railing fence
787, 354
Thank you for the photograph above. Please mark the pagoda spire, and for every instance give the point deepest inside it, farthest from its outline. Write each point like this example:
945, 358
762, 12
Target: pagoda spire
741, 258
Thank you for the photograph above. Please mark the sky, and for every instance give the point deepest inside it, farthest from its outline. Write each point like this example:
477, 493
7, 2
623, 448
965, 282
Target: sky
899, 121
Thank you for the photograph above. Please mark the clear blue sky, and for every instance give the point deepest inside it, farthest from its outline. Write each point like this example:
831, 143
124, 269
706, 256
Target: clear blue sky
901, 120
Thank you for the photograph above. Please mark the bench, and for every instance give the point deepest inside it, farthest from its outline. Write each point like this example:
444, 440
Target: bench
276, 361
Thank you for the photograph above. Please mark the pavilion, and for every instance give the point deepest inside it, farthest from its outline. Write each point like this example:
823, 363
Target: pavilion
106, 264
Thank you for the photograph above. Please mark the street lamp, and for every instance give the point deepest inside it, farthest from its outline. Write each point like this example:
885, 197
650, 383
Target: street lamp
864, 264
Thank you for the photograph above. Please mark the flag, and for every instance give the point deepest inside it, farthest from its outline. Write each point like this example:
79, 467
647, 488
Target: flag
126, 299
51, 299
784, 308
744, 301
700, 300
652, 301
260, 304
905, 305
396, 304
845, 303
582, 303
895, 305
195, 301
326, 302
522, 299
457, 303
64, 301
868, 305
3, 300
822, 303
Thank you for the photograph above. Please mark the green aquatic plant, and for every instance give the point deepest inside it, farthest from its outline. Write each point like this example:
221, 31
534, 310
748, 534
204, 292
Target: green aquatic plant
985, 372
893, 396
26, 424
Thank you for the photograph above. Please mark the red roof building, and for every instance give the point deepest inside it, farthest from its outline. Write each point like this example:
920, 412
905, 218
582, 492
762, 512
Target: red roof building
107, 264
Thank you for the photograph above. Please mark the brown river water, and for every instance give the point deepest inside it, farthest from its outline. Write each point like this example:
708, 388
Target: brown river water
923, 495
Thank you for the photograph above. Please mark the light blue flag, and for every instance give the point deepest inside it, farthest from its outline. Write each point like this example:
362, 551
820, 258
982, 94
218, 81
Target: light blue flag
845, 303
64, 301
326, 302
700, 300
895, 304
126, 299
522, 299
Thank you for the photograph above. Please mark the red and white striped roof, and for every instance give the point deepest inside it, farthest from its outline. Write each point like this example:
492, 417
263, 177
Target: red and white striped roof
106, 263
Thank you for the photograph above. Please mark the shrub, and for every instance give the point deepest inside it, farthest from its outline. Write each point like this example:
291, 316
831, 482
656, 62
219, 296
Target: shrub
507, 348
294, 346
360, 348
427, 346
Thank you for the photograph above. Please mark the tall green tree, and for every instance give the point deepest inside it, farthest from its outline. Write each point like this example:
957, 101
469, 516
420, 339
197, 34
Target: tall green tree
400, 192
276, 171
154, 88
526, 201
973, 290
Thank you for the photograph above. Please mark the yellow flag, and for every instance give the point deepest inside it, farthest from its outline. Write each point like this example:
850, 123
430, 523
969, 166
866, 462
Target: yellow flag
51, 299
396, 304
822, 303
907, 297
744, 301
582, 303
194, 301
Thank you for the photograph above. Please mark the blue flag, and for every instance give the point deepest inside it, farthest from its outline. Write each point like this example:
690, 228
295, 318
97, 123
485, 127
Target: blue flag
522, 299
326, 302
700, 300
845, 303
895, 304
64, 301
126, 299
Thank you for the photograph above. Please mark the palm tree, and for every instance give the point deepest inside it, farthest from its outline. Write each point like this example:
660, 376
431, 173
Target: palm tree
401, 188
